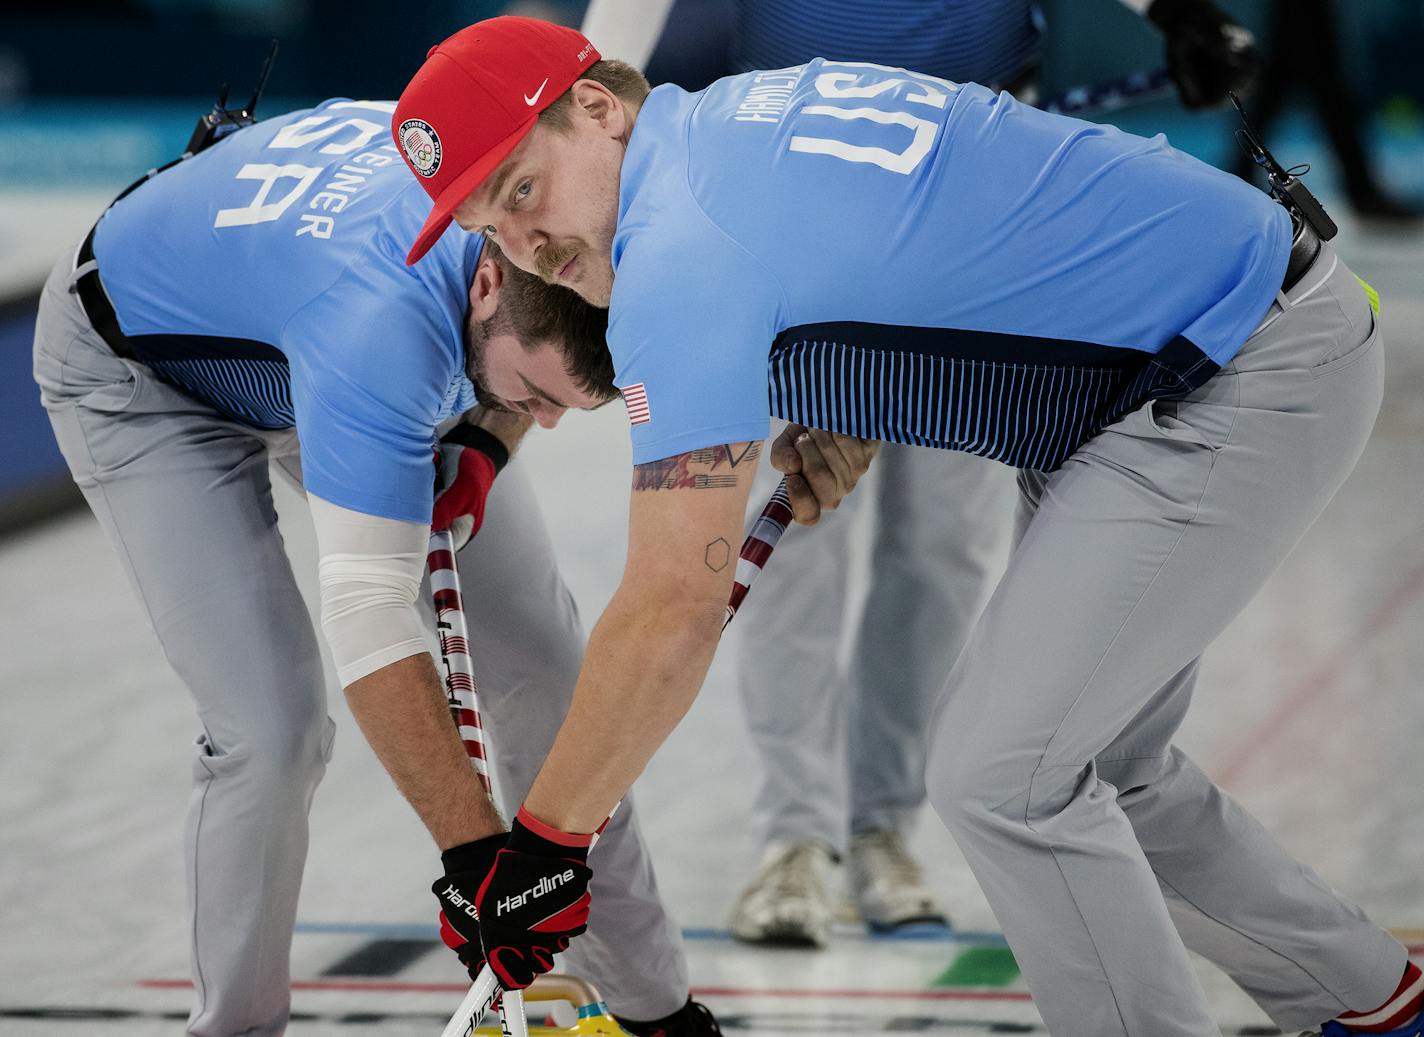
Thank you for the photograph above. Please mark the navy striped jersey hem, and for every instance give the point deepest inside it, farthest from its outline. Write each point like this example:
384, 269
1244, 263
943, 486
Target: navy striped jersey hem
1024, 401
242, 379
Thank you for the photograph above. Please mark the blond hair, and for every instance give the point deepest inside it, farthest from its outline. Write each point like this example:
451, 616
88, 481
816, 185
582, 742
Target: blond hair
622, 80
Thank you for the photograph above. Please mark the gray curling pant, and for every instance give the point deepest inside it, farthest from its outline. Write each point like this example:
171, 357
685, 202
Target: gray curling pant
185, 496
1103, 850
938, 519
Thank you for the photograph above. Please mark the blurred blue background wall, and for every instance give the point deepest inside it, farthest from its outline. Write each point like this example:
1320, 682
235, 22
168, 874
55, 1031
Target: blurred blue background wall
93, 93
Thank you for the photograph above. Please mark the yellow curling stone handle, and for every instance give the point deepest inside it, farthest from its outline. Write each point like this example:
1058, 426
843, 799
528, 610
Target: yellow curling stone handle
593, 1017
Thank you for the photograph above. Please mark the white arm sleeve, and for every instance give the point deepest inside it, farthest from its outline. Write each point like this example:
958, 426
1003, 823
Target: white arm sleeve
626, 29
369, 572
1140, 6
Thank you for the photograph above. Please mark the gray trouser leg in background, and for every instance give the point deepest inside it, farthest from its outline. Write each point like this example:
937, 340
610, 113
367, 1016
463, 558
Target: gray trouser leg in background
937, 518
789, 676
185, 497
940, 518
1103, 850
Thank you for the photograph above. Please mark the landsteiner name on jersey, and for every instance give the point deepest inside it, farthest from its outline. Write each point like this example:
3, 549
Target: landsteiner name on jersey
345, 182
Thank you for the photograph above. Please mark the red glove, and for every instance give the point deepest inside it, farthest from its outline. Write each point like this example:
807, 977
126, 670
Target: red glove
533, 901
466, 462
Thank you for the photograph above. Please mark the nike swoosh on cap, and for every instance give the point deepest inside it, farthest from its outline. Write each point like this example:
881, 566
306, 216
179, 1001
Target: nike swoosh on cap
532, 101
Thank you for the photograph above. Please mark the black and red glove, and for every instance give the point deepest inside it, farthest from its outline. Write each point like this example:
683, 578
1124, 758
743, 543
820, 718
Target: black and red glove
534, 900
1208, 52
466, 868
466, 462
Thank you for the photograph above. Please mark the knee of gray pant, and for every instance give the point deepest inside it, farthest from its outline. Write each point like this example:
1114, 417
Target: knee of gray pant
298, 754
969, 788
278, 762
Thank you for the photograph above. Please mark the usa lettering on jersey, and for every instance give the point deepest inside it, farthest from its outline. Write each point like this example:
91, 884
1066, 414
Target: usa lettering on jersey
846, 86
342, 136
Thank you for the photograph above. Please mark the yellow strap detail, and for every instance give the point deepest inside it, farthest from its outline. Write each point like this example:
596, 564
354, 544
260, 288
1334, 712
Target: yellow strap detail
1370, 291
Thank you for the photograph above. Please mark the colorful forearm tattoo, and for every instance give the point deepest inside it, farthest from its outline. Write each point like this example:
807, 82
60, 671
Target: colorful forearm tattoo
707, 469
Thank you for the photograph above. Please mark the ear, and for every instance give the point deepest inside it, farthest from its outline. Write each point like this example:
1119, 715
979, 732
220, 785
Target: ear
601, 105
484, 289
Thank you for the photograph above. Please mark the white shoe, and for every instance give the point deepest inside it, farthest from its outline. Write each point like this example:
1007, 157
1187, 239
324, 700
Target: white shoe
887, 885
791, 900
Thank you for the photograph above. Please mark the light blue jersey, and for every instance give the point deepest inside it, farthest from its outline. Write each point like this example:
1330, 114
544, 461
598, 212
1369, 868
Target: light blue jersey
983, 41
266, 277
895, 256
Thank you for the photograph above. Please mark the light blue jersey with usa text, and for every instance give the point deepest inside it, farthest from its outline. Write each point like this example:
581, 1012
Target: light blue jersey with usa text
887, 254
266, 278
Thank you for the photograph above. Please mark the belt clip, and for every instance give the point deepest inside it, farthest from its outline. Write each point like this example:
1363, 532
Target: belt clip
1286, 184
223, 120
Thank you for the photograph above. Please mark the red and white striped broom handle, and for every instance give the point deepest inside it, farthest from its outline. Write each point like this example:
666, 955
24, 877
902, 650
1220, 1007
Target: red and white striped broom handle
460, 690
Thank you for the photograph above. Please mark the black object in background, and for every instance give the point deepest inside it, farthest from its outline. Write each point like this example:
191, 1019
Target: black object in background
1209, 54
1303, 50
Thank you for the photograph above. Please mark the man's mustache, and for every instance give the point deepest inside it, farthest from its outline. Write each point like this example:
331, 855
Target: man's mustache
551, 259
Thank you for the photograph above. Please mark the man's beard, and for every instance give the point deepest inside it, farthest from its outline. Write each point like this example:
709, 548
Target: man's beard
476, 340
488, 400
595, 283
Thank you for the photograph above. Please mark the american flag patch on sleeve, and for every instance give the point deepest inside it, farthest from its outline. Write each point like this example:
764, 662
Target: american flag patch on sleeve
635, 398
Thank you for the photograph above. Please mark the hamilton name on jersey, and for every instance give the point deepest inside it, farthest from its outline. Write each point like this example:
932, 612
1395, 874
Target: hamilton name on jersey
768, 96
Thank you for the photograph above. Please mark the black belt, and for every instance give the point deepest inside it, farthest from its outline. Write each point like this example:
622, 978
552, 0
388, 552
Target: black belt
97, 306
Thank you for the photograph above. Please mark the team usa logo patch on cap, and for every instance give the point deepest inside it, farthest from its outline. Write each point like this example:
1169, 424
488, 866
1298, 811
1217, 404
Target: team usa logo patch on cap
635, 398
421, 145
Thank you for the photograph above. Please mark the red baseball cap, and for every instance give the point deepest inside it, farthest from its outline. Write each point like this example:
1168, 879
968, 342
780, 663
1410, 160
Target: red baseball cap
473, 101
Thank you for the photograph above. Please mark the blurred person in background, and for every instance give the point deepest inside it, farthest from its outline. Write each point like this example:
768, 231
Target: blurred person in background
1303, 51
842, 736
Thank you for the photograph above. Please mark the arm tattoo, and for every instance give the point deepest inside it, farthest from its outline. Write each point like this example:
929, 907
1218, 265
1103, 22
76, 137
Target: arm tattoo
717, 555
705, 469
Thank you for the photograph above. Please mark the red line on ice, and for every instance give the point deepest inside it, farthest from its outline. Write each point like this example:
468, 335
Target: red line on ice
405, 986
1318, 681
